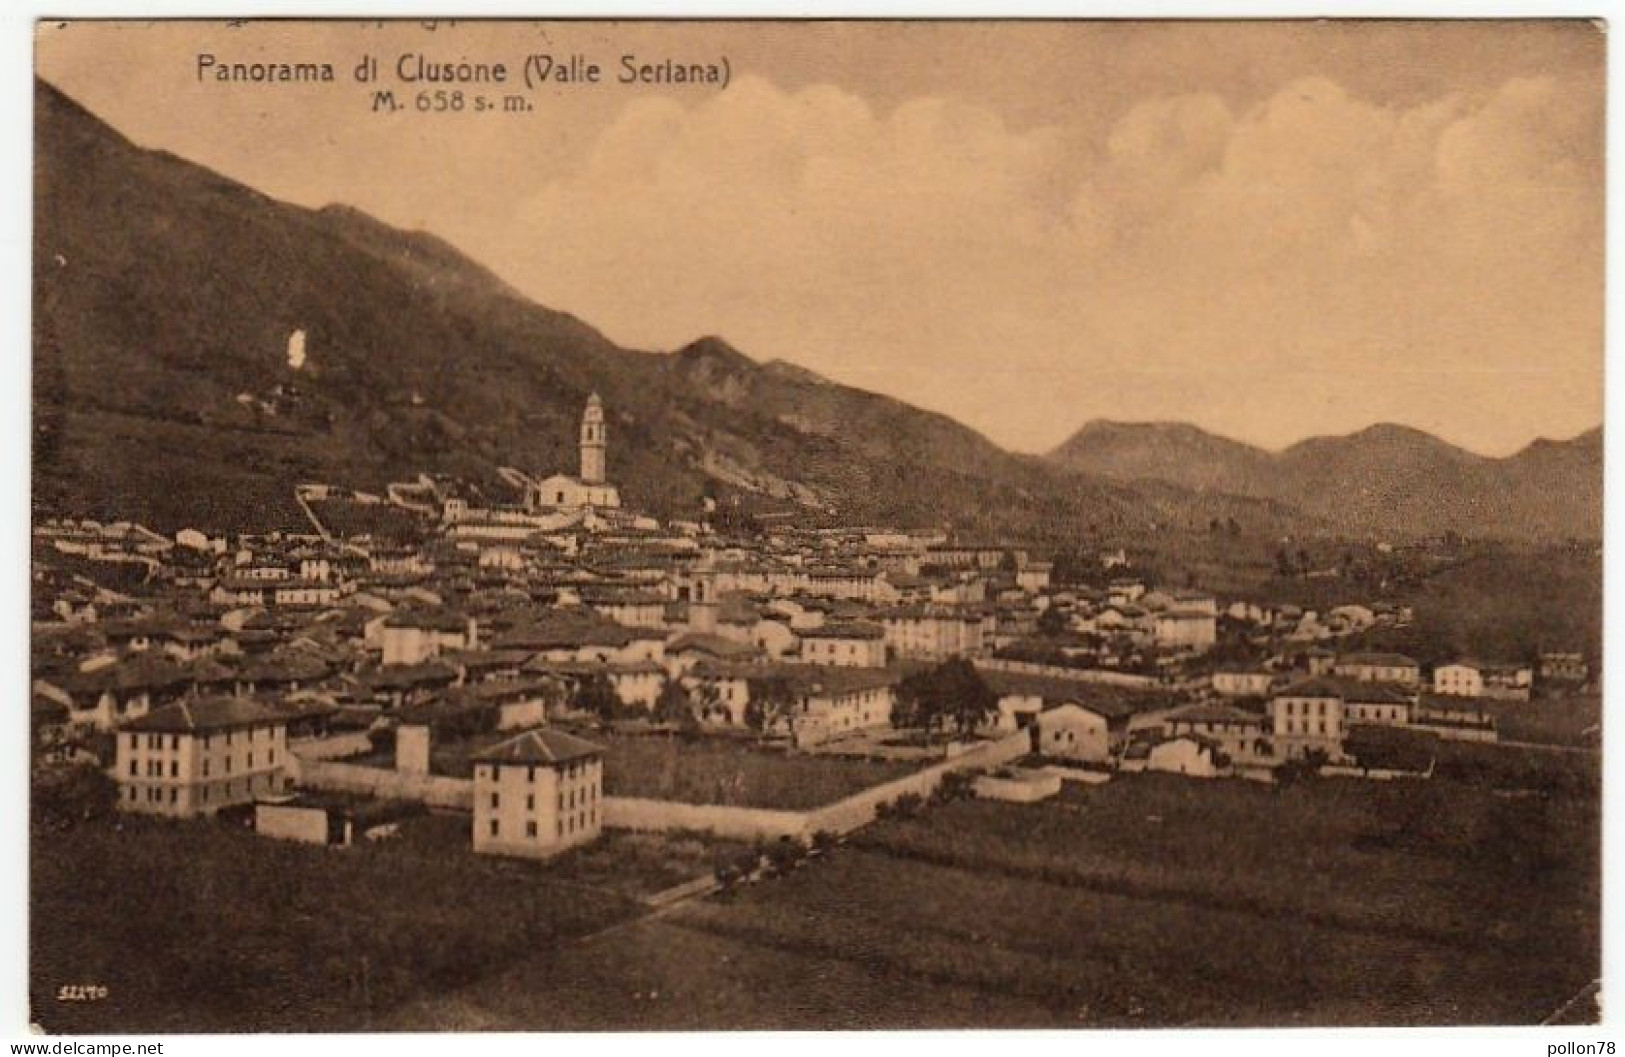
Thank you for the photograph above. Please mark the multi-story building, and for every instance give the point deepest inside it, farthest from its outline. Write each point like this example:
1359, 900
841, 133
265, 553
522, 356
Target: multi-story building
1239, 734
835, 702
935, 632
1186, 629
197, 756
1305, 716
1382, 704
853, 644
1242, 682
1512, 682
1034, 577
416, 637
1379, 668
1564, 667
537, 794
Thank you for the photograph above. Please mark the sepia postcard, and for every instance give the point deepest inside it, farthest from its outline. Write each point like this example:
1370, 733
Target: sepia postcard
764, 525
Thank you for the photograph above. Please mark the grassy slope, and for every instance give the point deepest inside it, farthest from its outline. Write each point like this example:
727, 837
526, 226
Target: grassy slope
163, 293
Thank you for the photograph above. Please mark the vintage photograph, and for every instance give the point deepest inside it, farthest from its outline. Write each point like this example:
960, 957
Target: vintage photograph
721, 525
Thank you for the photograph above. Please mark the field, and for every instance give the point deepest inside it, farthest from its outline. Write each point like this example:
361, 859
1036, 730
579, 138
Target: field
1148, 901
693, 769
202, 927
1570, 719
731, 772
1472, 898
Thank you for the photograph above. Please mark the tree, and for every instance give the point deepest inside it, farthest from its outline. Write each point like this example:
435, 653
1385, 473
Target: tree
64, 797
1052, 623
707, 702
596, 694
772, 699
675, 705
951, 694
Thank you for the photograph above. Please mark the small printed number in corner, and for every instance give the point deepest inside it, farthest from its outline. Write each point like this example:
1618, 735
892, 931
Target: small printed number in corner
81, 993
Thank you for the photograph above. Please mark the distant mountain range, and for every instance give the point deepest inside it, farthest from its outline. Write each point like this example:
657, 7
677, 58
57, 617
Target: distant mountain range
165, 296
1384, 478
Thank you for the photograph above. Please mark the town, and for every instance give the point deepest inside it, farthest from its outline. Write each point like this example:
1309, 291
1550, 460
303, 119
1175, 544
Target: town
839, 535
538, 675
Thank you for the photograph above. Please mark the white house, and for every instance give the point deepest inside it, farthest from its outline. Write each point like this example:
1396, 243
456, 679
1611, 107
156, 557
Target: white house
1073, 731
1239, 734
1186, 629
413, 637
195, 757
1379, 668
1243, 682
1306, 716
1190, 755
848, 644
1472, 679
537, 794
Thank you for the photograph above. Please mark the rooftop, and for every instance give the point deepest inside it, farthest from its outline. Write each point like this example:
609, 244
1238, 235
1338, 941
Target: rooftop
546, 747
205, 716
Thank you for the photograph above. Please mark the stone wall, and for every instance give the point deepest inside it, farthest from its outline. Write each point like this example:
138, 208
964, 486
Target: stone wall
386, 784
843, 816
1082, 675
858, 810
739, 823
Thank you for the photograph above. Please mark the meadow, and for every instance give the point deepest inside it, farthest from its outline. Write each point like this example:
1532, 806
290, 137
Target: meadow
203, 927
1151, 901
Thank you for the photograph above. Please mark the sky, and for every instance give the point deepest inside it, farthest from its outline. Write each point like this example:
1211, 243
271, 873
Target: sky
1270, 230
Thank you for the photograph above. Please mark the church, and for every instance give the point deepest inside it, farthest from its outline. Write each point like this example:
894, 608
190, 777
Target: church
563, 492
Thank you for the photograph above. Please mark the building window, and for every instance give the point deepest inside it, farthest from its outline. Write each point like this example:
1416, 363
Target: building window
174, 769
530, 801
530, 828
496, 799
496, 827
132, 769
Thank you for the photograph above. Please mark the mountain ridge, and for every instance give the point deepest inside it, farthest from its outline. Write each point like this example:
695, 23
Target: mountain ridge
1385, 472
165, 296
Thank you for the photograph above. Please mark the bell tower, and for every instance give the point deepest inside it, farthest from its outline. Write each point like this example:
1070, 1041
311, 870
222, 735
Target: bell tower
593, 441
702, 597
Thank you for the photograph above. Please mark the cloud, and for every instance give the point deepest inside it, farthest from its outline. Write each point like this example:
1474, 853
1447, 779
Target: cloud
1312, 247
